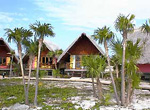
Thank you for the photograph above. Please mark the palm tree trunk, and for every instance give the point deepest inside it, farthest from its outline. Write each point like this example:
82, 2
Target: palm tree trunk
94, 92
99, 88
55, 64
112, 78
29, 77
123, 72
22, 71
129, 90
37, 72
117, 71
10, 74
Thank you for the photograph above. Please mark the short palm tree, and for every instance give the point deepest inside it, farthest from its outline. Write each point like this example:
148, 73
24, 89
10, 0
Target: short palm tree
41, 31
12, 53
95, 66
146, 27
54, 55
19, 36
133, 53
124, 24
104, 35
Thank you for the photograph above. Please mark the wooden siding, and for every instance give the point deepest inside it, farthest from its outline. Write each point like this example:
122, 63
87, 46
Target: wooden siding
83, 47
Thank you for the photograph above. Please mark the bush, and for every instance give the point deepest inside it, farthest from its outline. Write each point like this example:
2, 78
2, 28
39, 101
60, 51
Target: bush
56, 72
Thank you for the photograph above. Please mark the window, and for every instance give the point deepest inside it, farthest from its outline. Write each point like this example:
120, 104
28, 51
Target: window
2, 61
45, 60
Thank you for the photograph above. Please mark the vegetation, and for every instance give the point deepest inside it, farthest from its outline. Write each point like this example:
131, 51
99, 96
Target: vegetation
13, 93
124, 58
95, 66
104, 35
19, 36
124, 24
40, 31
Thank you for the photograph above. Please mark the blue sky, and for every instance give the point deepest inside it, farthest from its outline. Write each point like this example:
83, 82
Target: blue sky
69, 18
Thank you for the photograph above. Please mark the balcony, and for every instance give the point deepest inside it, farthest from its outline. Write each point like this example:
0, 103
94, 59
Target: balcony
77, 65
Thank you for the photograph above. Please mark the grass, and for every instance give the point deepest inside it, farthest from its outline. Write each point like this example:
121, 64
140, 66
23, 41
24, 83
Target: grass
44, 94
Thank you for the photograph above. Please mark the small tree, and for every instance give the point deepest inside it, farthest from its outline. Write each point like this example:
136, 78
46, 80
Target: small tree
133, 53
95, 66
54, 55
12, 53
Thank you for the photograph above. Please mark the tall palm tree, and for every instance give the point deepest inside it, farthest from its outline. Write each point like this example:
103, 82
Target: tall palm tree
124, 24
12, 53
146, 27
19, 35
95, 66
104, 35
41, 31
31, 50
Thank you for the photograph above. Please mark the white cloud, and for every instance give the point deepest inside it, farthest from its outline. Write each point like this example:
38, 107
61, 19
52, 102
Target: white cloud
4, 17
25, 19
93, 13
41, 19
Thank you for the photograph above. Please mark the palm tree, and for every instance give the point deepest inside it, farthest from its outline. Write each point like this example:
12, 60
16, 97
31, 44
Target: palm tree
55, 54
146, 27
95, 66
31, 48
12, 53
41, 31
19, 35
104, 35
133, 53
124, 24
86, 62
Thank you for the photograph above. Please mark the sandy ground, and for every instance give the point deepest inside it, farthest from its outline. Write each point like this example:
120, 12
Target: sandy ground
141, 98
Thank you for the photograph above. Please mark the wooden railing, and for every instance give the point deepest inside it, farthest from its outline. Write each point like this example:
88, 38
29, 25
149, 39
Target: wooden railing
70, 66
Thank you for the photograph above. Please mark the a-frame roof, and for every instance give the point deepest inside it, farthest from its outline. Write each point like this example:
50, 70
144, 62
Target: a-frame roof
9, 48
138, 34
73, 43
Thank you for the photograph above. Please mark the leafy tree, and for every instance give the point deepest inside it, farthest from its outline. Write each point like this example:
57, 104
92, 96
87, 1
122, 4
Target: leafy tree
124, 24
104, 35
19, 36
40, 31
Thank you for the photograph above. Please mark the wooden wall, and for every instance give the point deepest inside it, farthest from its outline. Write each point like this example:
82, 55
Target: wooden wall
83, 47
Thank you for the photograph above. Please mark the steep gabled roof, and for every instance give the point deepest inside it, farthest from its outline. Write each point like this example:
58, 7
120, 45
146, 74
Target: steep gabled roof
9, 48
137, 34
90, 39
50, 45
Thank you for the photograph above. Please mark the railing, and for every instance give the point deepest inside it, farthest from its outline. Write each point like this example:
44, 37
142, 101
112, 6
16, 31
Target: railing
70, 66
43, 66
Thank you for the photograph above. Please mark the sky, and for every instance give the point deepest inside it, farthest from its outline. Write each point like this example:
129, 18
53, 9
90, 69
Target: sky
69, 18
